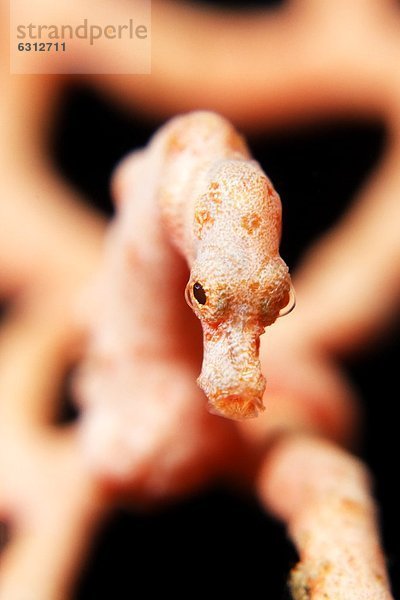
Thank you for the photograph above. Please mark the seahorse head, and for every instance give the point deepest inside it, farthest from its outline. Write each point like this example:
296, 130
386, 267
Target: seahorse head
239, 284
234, 311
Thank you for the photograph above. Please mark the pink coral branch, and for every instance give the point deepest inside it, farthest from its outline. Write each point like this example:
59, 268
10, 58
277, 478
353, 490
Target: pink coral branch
323, 495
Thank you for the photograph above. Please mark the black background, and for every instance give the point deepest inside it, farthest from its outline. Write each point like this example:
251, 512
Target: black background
223, 542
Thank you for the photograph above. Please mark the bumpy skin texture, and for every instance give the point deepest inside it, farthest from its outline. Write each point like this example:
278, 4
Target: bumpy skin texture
324, 496
222, 212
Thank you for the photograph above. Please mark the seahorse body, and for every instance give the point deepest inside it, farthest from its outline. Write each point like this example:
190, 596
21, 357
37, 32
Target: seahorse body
223, 214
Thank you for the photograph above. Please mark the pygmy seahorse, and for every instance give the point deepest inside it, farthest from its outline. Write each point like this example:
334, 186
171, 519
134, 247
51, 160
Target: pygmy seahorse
224, 215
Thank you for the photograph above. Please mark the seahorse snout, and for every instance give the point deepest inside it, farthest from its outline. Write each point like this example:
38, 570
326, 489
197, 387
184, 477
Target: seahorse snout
231, 374
237, 406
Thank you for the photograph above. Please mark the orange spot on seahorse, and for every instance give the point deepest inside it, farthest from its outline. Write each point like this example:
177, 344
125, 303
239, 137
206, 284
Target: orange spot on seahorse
214, 193
251, 223
203, 219
175, 144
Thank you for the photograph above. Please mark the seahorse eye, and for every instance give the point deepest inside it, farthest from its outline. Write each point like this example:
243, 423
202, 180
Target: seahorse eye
199, 293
